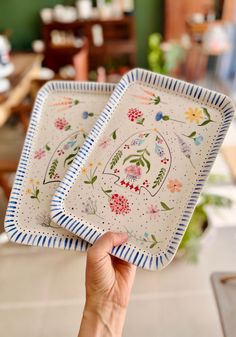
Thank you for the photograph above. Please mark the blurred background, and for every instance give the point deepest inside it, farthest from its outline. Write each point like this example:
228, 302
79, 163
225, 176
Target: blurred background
41, 290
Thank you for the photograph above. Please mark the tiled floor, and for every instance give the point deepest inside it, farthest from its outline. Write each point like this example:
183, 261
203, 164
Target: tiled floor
42, 292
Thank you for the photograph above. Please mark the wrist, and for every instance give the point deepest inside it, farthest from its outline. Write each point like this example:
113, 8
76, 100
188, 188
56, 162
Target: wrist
105, 318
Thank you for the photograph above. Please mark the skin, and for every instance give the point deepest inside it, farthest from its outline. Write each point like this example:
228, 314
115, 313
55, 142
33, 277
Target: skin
109, 282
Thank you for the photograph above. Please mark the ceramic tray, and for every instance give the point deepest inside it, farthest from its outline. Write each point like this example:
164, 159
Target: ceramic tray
63, 114
143, 166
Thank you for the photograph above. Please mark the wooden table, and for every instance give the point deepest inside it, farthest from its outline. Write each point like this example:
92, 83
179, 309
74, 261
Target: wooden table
26, 67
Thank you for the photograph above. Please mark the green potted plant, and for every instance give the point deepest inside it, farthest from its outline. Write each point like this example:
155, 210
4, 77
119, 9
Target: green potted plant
190, 244
164, 58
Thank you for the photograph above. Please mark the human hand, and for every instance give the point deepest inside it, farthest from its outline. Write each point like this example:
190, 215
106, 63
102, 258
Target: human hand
109, 282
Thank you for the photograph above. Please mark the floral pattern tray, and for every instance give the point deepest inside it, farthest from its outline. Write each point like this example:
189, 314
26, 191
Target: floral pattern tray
63, 115
143, 166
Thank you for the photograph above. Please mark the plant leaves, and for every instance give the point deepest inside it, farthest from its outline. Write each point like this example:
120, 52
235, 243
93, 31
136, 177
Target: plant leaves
71, 156
192, 134
152, 245
205, 122
114, 136
47, 147
107, 191
32, 197
134, 160
93, 179
153, 237
165, 207
37, 192
87, 182
148, 164
130, 156
67, 127
116, 158
53, 168
206, 113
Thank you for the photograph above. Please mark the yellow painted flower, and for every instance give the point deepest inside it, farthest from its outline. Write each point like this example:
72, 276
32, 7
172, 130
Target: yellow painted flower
194, 115
155, 129
31, 181
28, 191
37, 182
84, 170
81, 130
90, 165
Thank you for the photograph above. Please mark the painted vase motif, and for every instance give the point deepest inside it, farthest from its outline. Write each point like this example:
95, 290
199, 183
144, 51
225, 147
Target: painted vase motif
143, 161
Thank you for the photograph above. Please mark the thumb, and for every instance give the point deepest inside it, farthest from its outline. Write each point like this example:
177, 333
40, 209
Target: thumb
107, 241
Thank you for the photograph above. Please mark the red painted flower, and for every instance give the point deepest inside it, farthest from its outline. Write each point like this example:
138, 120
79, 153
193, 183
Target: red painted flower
133, 172
134, 113
61, 123
119, 204
39, 154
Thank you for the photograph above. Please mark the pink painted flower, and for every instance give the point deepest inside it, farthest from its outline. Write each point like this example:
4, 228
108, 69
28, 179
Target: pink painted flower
119, 204
174, 185
153, 211
133, 172
61, 123
104, 143
134, 113
39, 154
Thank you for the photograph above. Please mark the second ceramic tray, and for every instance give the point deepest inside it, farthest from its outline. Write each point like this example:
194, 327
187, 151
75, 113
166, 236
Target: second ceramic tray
63, 115
143, 166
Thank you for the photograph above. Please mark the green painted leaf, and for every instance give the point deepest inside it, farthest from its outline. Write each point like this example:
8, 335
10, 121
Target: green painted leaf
67, 127
87, 182
47, 147
166, 118
157, 100
107, 191
71, 156
53, 168
33, 197
37, 192
206, 113
205, 123
93, 179
152, 245
91, 114
130, 156
165, 207
114, 136
192, 134
153, 237
116, 158
134, 160
148, 164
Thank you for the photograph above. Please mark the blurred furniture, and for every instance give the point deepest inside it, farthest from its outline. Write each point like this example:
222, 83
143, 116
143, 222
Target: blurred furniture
229, 153
176, 12
27, 66
107, 39
224, 286
6, 167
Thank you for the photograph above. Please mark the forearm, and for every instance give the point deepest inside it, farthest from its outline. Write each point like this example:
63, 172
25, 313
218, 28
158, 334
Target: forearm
102, 320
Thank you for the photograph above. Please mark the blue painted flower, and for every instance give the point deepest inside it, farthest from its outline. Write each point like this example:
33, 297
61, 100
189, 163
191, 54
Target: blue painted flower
198, 140
85, 115
159, 116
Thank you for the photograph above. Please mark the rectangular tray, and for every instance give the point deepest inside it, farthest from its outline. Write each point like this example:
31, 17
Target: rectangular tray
63, 114
143, 166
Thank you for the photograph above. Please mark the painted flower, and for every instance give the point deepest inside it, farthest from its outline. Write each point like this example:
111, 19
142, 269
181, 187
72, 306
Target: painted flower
119, 204
105, 143
194, 115
39, 154
198, 140
62, 124
159, 116
134, 113
153, 211
133, 172
174, 185
85, 115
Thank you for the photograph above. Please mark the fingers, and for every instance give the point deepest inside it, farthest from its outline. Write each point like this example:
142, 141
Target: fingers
109, 240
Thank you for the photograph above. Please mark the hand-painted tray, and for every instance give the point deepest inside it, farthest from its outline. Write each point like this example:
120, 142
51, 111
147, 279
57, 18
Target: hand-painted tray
63, 114
143, 166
